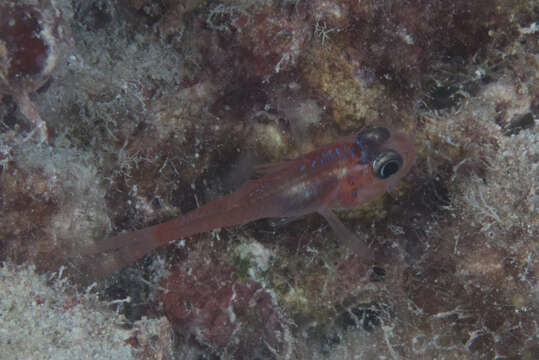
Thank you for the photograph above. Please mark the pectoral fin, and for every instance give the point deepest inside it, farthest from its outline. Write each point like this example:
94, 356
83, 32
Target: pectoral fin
347, 237
280, 222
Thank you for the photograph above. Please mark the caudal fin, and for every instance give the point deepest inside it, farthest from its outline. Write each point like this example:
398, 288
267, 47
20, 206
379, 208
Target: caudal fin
115, 253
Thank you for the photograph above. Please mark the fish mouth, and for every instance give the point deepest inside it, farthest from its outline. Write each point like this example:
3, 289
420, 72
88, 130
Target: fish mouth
404, 145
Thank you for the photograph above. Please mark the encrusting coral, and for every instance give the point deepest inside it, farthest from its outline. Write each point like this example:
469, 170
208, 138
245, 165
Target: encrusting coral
153, 108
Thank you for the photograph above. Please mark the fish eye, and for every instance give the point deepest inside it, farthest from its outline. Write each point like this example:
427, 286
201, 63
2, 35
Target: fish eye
377, 135
386, 164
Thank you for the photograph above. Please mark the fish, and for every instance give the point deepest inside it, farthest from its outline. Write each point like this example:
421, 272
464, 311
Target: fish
353, 170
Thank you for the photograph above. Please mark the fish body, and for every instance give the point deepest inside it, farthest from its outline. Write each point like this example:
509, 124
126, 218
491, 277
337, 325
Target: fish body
340, 175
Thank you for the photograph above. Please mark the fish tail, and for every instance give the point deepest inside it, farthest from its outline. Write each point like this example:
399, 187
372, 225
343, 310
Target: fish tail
114, 253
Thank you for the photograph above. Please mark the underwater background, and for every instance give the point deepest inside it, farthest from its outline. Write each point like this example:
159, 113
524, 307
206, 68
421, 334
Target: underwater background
120, 114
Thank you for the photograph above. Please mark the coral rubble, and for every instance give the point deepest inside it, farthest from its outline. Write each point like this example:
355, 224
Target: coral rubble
46, 318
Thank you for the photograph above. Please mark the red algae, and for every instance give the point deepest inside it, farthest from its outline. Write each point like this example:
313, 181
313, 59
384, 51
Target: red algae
33, 39
239, 317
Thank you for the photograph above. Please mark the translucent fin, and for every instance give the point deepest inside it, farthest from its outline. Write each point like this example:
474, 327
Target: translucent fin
114, 253
279, 222
347, 237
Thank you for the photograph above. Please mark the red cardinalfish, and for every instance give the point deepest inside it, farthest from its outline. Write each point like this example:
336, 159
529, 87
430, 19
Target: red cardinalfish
340, 175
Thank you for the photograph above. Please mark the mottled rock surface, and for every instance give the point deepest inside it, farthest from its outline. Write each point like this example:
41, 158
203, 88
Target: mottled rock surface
153, 107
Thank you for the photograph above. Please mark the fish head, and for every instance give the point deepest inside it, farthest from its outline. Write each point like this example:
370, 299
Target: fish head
381, 157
